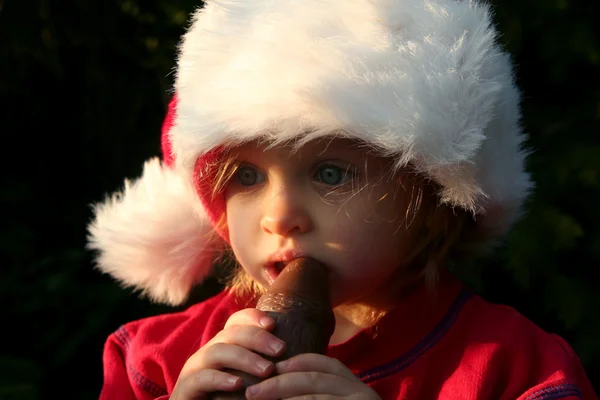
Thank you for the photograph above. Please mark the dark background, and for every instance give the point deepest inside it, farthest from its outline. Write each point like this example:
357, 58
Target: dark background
83, 90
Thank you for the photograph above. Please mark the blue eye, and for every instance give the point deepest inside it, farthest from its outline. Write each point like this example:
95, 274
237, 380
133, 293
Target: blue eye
247, 176
332, 175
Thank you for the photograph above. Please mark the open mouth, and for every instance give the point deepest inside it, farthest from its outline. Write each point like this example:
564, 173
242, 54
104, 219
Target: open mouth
273, 270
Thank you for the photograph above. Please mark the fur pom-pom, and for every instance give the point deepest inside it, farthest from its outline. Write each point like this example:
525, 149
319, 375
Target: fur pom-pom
153, 237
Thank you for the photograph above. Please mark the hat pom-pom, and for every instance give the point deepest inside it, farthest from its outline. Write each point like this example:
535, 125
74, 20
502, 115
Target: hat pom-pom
153, 235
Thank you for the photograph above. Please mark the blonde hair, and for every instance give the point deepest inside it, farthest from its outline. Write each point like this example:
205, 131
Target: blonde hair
442, 230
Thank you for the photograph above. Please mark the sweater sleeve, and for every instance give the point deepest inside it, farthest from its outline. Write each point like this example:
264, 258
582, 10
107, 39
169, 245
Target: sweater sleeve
142, 359
564, 376
122, 381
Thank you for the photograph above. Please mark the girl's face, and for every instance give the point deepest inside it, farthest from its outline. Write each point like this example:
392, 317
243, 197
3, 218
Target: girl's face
329, 201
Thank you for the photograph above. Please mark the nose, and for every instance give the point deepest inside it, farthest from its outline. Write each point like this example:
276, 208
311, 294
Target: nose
286, 213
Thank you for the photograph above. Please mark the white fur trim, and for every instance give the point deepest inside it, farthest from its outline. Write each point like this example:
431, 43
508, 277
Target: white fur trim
422, 80
152, 236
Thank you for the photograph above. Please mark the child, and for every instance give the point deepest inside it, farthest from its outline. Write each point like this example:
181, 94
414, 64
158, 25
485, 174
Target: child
378, 137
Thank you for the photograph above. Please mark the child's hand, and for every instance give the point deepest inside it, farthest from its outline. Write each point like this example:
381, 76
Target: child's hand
245, 333
311, 376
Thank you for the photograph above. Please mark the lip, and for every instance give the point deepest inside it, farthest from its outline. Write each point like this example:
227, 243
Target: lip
277, 261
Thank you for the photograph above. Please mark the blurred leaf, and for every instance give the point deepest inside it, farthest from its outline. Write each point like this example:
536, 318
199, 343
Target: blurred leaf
571, 307
19, 392
20, 379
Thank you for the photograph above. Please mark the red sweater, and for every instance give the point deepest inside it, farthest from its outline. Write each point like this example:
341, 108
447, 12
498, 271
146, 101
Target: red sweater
453, 346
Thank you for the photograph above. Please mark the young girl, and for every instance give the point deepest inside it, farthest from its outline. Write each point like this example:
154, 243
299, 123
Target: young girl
378, 137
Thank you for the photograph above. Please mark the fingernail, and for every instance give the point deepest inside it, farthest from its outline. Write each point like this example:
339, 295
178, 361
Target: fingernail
265, 321
283, 364
262, 365
253, 390
276, 346
232, 380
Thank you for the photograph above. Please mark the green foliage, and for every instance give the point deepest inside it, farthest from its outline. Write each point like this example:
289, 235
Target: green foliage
84, 90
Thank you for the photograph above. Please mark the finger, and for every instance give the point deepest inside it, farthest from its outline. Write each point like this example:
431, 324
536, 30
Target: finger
224, 355
297, 384
313, 397
206, 381
251, 316
317, 363
252, 338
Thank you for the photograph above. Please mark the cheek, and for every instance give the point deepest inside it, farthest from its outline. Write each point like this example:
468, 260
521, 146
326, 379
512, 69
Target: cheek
240, 222
363, 244
367, 224
371, 240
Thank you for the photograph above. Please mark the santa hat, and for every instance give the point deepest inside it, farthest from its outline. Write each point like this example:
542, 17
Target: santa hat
423, 81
